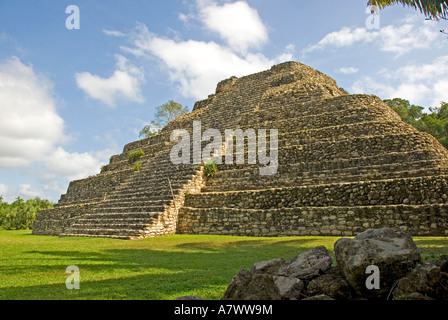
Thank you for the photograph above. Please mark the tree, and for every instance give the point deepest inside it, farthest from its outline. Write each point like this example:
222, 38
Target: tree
21, 214
409, 113
434, 123
164, 114
433, 9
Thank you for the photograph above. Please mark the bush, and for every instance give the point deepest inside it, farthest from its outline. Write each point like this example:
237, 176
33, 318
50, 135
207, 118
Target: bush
210, 168
138, 166
135, 155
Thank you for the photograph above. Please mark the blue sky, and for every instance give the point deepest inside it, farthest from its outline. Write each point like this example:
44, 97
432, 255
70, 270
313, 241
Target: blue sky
71, 98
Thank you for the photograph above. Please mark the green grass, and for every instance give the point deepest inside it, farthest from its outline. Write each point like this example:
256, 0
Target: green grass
33, 267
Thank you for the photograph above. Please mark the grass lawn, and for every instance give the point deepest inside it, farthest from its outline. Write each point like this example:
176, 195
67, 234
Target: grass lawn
33, 267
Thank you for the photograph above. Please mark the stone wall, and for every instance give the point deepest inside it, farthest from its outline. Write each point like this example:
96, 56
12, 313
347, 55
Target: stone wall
93, 189
56, 221
425, 220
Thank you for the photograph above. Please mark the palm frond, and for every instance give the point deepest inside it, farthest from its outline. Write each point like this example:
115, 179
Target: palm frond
431, 8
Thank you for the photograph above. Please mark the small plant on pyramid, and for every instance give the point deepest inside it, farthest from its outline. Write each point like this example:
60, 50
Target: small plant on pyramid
135, 155
138, 166
210, 168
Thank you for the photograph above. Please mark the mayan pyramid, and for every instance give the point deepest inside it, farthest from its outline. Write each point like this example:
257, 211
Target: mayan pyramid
346, 163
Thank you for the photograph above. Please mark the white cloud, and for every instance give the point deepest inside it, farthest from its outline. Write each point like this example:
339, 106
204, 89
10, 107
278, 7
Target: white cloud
423, 84
61, 167
425, 72
197, 66
343, 38
237, 23
440, 90
71, 166
26, 191
124, 83
183, 17
31, 129
29, 123
348, 70
114, 33
3, 189
409, 35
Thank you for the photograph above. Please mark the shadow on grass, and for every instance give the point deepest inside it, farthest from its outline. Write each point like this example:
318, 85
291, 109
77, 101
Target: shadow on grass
149, 272
197, 268
243, 245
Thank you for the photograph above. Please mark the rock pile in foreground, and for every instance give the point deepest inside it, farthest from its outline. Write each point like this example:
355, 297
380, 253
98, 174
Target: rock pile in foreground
376, 264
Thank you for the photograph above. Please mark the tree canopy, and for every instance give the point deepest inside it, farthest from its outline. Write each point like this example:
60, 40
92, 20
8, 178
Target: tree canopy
21, 214
434, 123
165, 113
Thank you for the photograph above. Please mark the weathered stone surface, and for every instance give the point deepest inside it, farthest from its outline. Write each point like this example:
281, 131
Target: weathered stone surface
394, 253
271, 266
290, 288
331, 284
426, 280
248, 286
239, 283
442, 262
308, 265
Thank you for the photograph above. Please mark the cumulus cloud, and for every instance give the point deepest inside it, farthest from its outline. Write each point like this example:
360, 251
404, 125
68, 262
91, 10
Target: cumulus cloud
124, 83
343, 38
29, 123
423, 84
236, 23
197, 66
348, 70
27, 191
3, 189
71, 166
410, 34
31, 131
60, 167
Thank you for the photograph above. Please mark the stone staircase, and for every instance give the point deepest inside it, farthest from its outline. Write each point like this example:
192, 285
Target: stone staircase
345, 163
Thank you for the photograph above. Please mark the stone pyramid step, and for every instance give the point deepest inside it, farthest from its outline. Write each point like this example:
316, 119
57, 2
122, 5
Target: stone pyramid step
429, 219
254, 182
362, 193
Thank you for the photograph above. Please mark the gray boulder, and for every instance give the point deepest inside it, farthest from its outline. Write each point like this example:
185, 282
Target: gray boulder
270, 267
331, 284
394, 253
249, 286
426, 281
308, 265
290, 288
